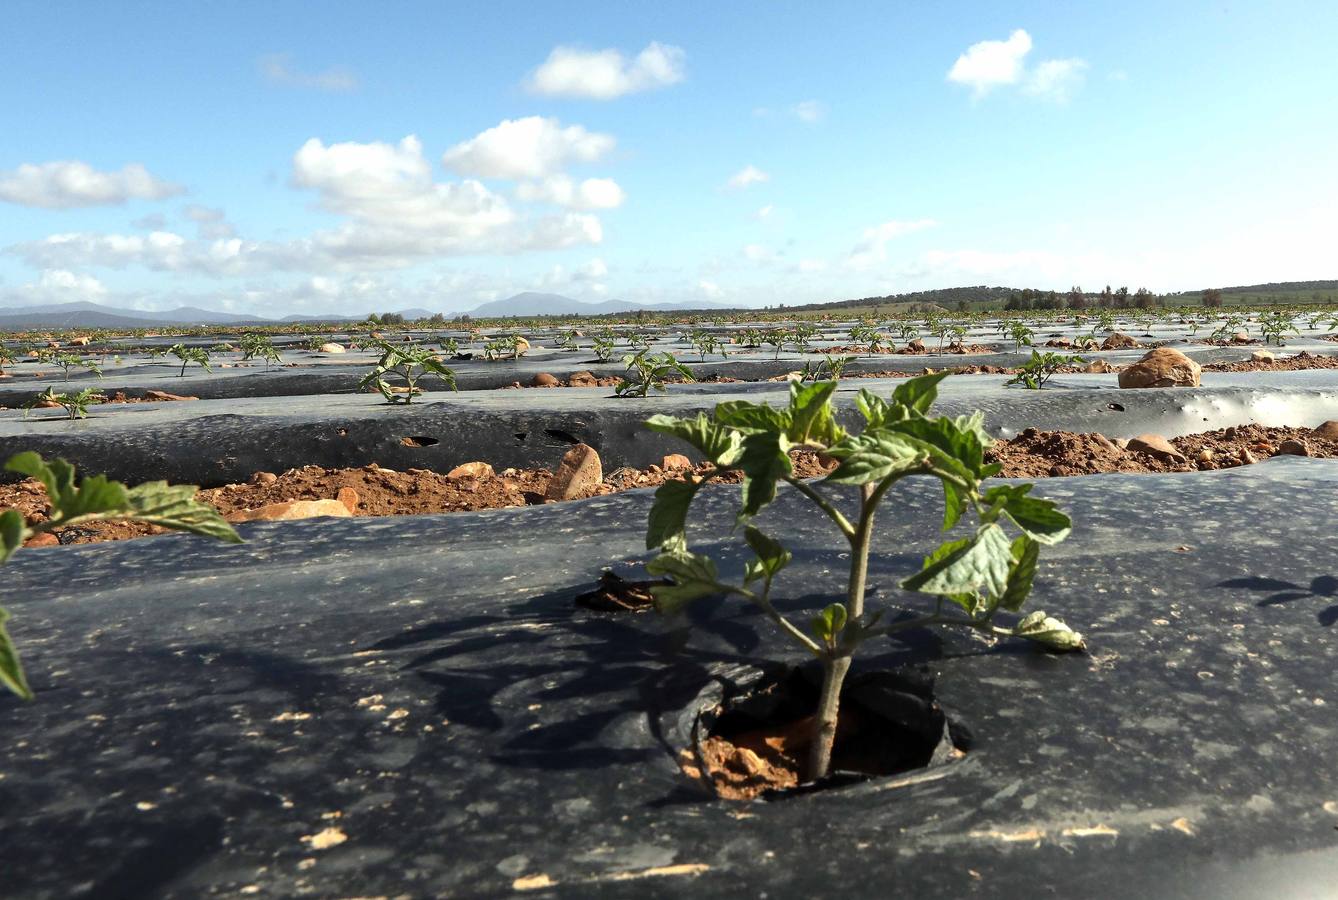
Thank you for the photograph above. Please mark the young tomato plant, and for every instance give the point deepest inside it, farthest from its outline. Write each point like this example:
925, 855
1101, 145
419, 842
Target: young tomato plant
981, 575
188, 355
650, 372
75, 405
409, 364
1041, 368
67, 361
258, 346
95, 498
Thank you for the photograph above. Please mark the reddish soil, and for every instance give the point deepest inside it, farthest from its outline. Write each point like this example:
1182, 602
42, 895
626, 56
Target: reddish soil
1045, 454
1302, 360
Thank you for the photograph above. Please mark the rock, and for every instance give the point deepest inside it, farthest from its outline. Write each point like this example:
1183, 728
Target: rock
583, 379
579, 474
80, 341
675, 461
1118, 341
1240, 337
916, 346
1059, 342
1262, 356
1231, 433
349, 497
543, 379
264, 478
1293, 447
1205, 455
332, 347
1106, 443
1162, 367
471, 470
1246, 457
1158, 446
165, 396
293, 509
521, 346
1327, 431
45, 539
1099, 367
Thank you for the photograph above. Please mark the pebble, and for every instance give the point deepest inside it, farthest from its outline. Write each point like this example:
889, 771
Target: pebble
544, 379
264, 478
471, 470
1327, 431
579, 474
1293, 447
675, 461
1158, 446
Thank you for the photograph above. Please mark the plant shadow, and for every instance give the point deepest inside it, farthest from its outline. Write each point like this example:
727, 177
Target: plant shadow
1321, 587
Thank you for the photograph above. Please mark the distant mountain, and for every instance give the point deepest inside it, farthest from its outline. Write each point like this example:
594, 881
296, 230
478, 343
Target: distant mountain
531, 303
92, 315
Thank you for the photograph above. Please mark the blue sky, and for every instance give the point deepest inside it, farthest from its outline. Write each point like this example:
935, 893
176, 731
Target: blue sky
281, 158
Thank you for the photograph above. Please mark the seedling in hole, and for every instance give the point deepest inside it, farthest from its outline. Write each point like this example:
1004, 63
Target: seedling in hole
409, 364
706, 344
1276, 326
830, 367
94, 499
603, 347
75, 405
867, 334
258, 345
980, 574
650, 370
1041, 368
67, 361
188, 355
1020, 334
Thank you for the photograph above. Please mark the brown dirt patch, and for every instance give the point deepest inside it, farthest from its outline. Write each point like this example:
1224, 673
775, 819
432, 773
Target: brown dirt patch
1302, 360
1047, 454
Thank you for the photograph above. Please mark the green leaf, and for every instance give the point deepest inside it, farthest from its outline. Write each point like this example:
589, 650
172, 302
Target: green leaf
979, 566
876, 454
175, 507
1040, 519
952, 504
718, 444
1049, 632
11, 670
811, 413
669, 513
764, 461
771, 556
918, 393
1021, 573
13, 532
952, 448
874, 408
967, 600
829, 623
751, 418
694, 577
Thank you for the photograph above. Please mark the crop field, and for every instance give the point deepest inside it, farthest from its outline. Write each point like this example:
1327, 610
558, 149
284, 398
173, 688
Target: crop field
598, 602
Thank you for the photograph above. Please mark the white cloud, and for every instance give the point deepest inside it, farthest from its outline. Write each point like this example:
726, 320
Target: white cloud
872, 247
592, 193
747, 176
809, 111
54, 286
66, 184
533, 147
988, 64
710, 289
278, 69
1056, 79
765, 212
211, 224
606, 74
758, 253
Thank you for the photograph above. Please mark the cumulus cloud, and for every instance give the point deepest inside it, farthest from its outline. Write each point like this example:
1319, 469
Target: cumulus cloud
872, 247
990, 64
592, 193
746, 177
1056, 79
529, 148
710, 289
211, 224
606, 74
278, 69
67, 184
54, 286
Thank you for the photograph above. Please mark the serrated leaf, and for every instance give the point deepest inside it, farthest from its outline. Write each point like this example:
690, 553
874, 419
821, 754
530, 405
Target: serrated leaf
764, 460
918, 393
752, 417
952, 448
718, 444
874, 455
668, 514
811, 412
175, 507
981, 566
694, 577
1021, 573
1049, 632
874, 408
13, 531
967, 600
11, 670
1040, 519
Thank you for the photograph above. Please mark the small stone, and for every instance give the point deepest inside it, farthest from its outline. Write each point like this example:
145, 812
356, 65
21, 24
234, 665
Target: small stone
349, 497
1158, 446
1122, 443
675, 461
1293, 447
45, 539
1118, 341
264, 478
1205, 455
1241, 337
1105, 443
544, 379
80, 341
583, 379
332, 347
1099, 367
1059, 342
521, 346
165, 396
1327, 431
1231, 433
579, 474
471, 470
1262, 356
1246, 457
1162, 367
916, 346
